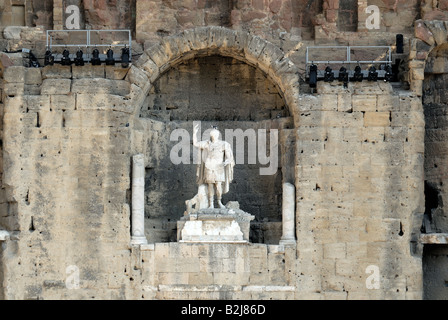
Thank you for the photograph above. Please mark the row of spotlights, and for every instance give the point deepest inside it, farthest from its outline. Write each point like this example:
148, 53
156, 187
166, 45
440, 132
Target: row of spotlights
358, 76
95, 60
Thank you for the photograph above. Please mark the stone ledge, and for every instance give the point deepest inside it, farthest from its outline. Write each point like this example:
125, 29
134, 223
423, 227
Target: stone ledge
148, 247
434, 238
214, 288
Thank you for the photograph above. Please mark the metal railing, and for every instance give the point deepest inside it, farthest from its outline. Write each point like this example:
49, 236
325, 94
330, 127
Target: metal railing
387, 54
88, 45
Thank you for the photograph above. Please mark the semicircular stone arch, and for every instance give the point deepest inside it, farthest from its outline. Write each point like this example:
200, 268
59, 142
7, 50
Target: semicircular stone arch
206, 41
429, 77
163, 179
430, 37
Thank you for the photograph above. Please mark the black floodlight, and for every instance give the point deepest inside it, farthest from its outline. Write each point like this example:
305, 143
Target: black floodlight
110, 61
33, 62
125, 57
65, 61
313, 76
79, 60
343, 76
329, 75
358, 76
96, 61
373, 74
389, 76
49, 58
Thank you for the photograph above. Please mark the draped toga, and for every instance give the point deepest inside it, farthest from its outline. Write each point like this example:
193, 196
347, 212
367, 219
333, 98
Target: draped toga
211, 169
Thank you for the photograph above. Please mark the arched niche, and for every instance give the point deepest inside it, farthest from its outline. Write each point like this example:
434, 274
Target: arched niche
428, 78
435, 103
202, 61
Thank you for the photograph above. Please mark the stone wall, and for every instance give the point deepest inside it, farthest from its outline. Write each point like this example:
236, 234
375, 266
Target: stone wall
66, 176
267, 18
68, 138
216, 271
26, 13
435, 272
434, 101
359, 177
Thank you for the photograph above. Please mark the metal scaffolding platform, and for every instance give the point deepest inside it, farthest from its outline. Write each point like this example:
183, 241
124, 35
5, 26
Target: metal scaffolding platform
89, 40
382, 55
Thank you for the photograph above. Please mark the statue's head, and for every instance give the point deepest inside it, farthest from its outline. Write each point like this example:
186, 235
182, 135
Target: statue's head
214, 134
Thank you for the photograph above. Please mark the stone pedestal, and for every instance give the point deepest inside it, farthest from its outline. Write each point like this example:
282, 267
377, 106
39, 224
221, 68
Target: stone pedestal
215, 226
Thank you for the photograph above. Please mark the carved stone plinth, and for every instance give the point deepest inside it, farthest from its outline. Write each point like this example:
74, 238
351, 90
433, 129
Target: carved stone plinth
215, 226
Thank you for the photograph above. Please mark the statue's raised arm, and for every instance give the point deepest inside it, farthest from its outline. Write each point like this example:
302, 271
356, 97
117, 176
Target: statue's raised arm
216, 165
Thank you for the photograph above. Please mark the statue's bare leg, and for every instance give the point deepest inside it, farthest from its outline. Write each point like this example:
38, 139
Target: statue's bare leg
211, 192
219, 194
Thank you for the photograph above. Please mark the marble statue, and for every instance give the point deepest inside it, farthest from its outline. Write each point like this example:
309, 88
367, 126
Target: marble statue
204, 223
216, 166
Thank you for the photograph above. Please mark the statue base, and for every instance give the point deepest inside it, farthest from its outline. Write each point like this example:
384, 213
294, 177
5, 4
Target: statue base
228, 225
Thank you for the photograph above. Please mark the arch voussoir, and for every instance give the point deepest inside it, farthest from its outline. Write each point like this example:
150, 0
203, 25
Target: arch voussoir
428, 36
201, 41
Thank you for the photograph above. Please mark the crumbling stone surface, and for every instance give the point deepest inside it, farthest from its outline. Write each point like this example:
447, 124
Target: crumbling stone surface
342, 158
434, 103
356, 156
434, 261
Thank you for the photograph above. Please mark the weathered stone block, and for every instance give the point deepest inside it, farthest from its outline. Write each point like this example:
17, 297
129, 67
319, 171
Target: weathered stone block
57, 71
423, 33
335, 251
342, 119
408, 119
13, 89
56, 86
15, 104
329, 102
377, 119
37, 103
345, 102
438, 30
63, 102
159, 57
152, 69
137, 77
88, 71
14, 74
364, 103
116, 73
98, 102
388, 103
254, 49
100, 86
50, 119
12, 32
33, 76
418, 74
32, 89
